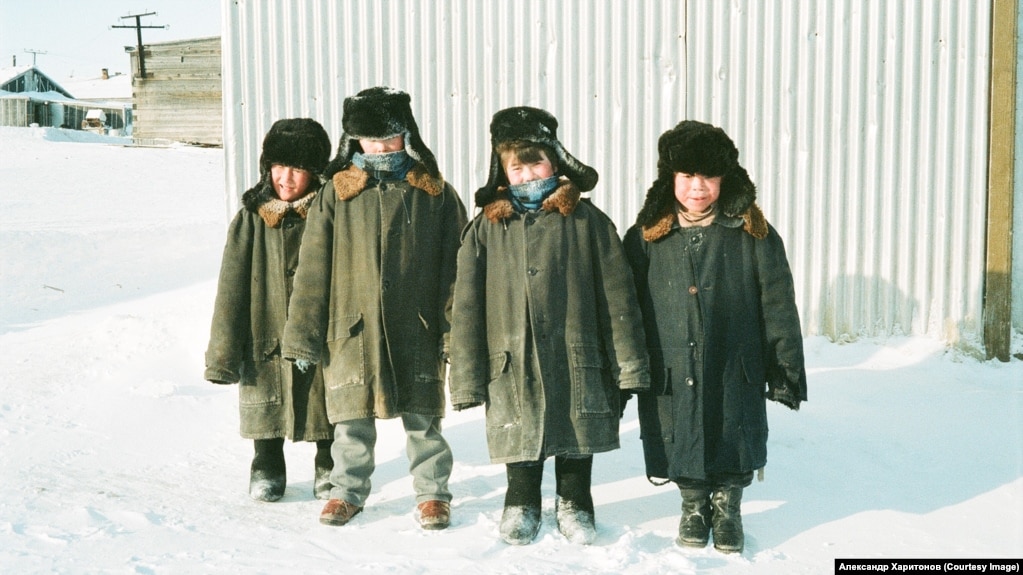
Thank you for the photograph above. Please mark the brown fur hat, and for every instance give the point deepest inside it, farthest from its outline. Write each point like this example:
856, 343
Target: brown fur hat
697, 148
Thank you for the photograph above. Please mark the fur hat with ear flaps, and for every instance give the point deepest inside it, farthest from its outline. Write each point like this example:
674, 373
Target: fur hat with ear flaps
697, 148
296, 142
379, 114
537, 126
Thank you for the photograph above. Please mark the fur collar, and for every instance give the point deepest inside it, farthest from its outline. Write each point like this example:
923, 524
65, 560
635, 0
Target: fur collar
262, 199
563, 200
351, 181
753, 222
273, 211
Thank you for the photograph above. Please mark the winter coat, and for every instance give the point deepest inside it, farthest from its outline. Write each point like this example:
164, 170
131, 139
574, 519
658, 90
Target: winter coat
723, 333
372, 297
550, 289
260, 257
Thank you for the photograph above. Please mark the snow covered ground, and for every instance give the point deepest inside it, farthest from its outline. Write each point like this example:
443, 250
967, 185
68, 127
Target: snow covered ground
116, 456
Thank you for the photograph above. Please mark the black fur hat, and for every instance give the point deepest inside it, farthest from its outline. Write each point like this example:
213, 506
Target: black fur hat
378, 114
531, 125
296, 142
697, 148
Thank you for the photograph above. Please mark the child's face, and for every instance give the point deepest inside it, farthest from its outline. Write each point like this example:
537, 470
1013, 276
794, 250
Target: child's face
519, 172
696, 192
394, 144
290, 183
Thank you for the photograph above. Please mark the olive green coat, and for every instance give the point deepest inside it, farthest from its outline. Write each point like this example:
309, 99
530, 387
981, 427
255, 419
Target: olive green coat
546, 328
373, 292
260, 256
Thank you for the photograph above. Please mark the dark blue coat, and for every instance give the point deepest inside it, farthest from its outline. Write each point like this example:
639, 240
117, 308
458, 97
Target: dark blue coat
721, 322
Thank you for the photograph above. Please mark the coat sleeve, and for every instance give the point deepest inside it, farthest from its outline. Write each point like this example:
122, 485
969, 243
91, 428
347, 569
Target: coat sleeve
454, 222
626, 345
783, 339
469, 373
305, 331
229, 332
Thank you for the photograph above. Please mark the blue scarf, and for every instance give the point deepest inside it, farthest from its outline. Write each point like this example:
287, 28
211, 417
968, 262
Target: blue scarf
530, 195
388, 166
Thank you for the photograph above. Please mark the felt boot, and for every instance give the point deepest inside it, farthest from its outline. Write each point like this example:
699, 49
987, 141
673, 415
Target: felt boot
727, 521
574, 505
324, 465
267, 476
694, 528
520, 520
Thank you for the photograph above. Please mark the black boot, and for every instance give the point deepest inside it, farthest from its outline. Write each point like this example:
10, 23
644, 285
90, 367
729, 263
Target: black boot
520, 520
324, 465
728, 536
267, 476
694, 528
574, 505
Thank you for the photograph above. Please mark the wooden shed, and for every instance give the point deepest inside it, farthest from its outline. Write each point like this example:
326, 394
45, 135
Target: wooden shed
179, 99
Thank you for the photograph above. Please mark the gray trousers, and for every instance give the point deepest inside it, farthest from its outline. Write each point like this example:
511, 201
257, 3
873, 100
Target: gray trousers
429, 457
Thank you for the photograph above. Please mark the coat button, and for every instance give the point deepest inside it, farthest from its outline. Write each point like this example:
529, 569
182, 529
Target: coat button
693, 290
689, 381
532, 271
291, 272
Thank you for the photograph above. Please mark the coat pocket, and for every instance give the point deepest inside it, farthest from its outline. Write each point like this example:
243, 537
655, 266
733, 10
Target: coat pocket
502, 392
345, 362
429, 367
591, 382
261, 374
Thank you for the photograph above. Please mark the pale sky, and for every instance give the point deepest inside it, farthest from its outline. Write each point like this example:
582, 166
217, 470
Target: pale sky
77, 37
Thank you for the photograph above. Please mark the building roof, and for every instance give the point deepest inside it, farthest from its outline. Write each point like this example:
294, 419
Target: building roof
116, 87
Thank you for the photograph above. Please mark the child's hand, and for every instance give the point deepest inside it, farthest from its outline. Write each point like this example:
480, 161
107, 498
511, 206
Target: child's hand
303, 365
782, 394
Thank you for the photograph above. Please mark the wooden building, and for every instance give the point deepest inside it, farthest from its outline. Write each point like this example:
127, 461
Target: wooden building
28, 97
179, 98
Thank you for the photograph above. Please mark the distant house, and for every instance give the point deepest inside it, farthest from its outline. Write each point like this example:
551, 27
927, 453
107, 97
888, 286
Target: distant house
30, 97
179, 99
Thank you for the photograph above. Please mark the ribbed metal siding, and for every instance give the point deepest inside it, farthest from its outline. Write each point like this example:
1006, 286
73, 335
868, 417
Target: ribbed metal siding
611, 72
863, 123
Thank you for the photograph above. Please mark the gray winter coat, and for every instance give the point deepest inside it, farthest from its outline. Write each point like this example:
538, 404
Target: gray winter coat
373, 293
548, 290
723, 334
260, 256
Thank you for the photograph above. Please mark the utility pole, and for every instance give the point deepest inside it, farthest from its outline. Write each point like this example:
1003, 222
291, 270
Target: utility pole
34, 52
138, 31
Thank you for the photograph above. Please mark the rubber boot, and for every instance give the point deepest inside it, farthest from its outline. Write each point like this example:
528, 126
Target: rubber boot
574, 505
727, 521
268, 476
694, 528
324, 465
520, 520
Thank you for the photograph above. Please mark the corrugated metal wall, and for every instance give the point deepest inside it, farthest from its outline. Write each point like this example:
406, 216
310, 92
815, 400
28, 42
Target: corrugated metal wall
865, 126
863, 122
612, 73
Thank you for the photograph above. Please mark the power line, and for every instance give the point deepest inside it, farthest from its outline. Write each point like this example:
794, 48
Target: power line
138, 31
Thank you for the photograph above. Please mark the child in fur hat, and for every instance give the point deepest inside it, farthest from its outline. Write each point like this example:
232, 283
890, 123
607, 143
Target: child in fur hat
723, 332
276, 401
373, 298
546, 328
